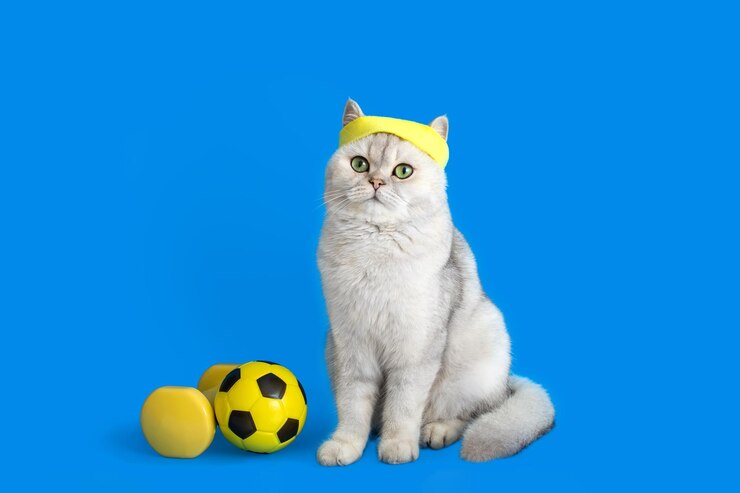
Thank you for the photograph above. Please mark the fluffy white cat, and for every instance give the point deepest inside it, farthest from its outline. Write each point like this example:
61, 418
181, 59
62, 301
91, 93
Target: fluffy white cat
416, 350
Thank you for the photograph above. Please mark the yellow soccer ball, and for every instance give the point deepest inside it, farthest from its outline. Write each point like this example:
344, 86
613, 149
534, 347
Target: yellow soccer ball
261, 407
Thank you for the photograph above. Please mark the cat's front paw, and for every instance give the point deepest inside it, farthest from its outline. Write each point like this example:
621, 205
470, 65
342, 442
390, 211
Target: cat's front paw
338, 453
397, 451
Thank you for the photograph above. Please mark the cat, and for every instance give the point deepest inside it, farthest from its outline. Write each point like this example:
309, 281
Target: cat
416, 351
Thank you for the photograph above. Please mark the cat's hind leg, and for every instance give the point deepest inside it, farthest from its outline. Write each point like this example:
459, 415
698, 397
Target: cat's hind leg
473, 377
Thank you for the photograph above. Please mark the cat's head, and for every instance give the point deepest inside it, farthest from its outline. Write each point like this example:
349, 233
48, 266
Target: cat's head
382, 178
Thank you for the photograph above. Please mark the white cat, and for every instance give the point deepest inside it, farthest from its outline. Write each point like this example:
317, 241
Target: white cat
416, 350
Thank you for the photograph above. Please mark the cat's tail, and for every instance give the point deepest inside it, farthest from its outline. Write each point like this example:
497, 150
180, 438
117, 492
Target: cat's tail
521, 419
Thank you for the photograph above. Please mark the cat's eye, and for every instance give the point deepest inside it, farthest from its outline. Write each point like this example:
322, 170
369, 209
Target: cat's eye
359, 164
403, 171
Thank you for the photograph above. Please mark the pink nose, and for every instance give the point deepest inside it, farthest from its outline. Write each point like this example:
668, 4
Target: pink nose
376, 182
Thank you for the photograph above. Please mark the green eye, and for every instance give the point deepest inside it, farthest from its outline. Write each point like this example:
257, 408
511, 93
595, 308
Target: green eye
403, 171
359, 164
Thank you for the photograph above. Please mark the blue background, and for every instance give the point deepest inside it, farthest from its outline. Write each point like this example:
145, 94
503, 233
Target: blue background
160, 199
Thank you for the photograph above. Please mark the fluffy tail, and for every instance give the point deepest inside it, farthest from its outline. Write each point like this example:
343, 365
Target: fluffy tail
525, 416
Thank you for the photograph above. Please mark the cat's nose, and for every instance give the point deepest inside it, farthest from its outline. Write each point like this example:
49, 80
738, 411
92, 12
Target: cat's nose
377, 182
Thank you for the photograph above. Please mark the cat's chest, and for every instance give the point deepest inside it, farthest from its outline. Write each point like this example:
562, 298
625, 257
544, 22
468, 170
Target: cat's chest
380, 307
380, 265
381, 290
376, 260
376, 283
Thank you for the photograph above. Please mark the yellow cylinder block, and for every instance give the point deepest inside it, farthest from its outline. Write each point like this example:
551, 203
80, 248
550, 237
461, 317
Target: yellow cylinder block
178, 422
212, 378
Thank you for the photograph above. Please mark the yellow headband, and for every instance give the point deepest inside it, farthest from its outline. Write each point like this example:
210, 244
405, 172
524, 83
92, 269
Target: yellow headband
422, 136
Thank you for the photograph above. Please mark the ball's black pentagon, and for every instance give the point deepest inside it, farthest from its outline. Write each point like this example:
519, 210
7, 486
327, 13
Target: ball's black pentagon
230, 379
288, 430
272, 386
265, 361
305, 399
242, 424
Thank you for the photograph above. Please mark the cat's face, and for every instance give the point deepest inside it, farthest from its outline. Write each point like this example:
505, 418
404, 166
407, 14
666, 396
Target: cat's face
383, 179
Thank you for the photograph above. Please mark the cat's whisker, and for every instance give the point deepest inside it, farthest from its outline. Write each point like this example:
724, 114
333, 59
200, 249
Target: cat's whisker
340, 207
337, 202
396, 199
330, 195
330, 201
333, 193
343, 194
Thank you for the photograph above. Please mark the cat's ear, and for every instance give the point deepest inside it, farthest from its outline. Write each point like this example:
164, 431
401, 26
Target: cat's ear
441, 126
352, 111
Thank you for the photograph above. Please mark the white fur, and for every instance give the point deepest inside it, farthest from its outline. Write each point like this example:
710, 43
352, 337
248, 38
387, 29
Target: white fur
415, 350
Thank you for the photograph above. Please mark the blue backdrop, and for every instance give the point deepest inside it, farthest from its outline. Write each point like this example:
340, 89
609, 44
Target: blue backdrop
161, 175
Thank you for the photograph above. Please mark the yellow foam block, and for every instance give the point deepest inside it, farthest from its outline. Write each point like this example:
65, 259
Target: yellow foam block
178, 422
